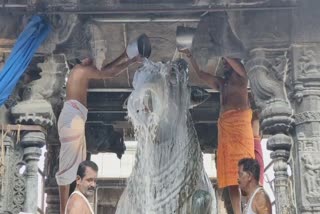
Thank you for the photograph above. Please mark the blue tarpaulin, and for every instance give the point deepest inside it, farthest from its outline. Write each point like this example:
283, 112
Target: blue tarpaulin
22, 53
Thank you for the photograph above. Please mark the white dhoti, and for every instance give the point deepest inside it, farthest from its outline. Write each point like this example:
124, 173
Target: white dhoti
71, 129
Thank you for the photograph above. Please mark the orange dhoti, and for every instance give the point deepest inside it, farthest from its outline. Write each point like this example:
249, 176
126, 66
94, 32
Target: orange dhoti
259, 157
235, 141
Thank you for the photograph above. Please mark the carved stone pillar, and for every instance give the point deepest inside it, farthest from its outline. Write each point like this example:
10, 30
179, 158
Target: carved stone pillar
32, 143
12, 182
42, 101
306, 79
51, 186
267, 73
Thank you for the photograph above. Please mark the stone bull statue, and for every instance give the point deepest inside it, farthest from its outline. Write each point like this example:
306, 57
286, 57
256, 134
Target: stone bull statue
168, 175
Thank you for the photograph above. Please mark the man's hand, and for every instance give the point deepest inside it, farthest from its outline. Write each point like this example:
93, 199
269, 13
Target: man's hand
186, 51
211, 80
137, 59
86, 61
88, 65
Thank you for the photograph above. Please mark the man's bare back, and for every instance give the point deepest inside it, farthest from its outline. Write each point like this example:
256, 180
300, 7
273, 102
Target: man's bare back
78, 81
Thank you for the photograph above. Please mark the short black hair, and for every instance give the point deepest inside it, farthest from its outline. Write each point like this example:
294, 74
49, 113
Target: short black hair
251, 165
83, 165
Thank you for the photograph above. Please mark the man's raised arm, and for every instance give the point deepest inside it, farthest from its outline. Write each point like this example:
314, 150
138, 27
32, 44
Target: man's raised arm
237, 66
117, 66
212, 81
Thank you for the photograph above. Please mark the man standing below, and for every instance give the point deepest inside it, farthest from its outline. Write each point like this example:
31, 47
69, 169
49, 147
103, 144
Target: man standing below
85, 187
235, 135
72, 119
258, 200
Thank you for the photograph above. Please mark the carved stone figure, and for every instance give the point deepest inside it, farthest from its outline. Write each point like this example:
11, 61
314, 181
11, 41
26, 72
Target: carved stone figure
168, 175
312, 174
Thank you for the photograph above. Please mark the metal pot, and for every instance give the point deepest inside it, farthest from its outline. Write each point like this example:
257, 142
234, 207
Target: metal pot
141, 46
184, 37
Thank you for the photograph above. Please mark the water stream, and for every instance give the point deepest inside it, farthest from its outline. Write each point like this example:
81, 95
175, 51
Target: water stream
168, 175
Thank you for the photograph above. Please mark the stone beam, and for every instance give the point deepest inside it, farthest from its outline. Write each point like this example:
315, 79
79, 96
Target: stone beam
149, 6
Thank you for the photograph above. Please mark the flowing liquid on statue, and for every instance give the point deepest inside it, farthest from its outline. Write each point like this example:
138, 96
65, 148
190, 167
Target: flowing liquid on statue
168, 167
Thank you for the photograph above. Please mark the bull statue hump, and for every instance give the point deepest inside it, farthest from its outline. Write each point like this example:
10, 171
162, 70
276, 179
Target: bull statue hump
168, 175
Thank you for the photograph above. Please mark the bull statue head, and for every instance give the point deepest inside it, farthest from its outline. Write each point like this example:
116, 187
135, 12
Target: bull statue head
160, 91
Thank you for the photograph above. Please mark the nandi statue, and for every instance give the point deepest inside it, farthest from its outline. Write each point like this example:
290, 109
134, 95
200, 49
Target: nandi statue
168, 175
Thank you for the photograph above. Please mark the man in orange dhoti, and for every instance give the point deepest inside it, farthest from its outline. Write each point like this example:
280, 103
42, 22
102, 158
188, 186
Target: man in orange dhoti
235, 139
234, 129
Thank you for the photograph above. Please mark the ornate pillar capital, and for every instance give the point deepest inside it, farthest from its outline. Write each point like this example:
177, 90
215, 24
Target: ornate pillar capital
42, 98
267, 72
